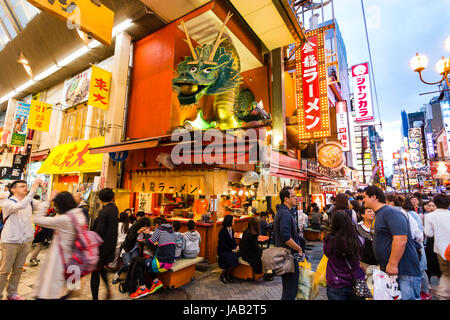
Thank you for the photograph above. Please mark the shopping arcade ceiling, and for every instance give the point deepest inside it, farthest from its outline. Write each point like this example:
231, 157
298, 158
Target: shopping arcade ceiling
46, 40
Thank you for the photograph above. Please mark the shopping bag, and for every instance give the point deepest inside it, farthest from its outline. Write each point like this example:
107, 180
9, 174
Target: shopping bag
319, 276
305, 264
307, 290
385, 287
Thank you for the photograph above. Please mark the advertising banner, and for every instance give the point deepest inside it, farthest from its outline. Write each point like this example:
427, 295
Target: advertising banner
100, 88
342, 125
19, 133
362, 93
76, 90
40, 116
440, 169
91, 16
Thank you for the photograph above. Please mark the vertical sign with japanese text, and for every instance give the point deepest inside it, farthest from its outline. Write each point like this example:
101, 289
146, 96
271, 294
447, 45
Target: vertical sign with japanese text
312, 87
430, 145
100, 88
342, 125
362, 93
40, 115
311, 92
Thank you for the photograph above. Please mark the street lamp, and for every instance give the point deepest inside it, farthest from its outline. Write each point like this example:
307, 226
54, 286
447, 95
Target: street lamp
406, 158
420, 63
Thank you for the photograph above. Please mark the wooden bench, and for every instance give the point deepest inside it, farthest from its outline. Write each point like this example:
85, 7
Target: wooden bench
313, 234
244, 271
181, 273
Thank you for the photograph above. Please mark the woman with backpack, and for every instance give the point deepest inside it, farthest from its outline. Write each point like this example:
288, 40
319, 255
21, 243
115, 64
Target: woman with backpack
51, 281
343, 249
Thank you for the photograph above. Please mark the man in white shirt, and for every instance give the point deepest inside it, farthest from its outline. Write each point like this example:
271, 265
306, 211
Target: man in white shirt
437, 225
17, 234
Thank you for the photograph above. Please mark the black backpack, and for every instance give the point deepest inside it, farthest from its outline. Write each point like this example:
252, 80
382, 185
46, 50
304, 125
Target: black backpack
131, 283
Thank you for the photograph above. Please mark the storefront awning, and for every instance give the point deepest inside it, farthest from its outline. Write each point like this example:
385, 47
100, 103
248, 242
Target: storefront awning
74, 157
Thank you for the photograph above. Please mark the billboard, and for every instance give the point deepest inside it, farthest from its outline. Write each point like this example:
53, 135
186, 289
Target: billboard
415, 147
362, 93
445, 107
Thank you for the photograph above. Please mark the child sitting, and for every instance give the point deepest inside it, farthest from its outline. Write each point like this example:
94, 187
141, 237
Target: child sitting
178, 239
191, 241
164, 239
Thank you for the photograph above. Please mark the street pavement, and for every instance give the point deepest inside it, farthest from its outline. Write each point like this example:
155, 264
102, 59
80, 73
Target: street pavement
206, 285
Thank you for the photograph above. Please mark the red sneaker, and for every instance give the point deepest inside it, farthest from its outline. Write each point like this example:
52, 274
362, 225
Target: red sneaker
140, 293
425, 296
156, 286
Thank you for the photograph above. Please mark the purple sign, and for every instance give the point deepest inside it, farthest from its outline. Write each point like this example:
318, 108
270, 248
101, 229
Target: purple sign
430, 145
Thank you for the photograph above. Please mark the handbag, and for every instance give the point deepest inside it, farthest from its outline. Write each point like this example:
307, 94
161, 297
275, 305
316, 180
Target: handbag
360, 288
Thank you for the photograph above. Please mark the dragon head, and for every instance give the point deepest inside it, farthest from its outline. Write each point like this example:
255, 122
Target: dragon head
209, 70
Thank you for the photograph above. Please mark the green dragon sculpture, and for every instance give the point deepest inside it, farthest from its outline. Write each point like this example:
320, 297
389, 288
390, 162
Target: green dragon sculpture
214, 69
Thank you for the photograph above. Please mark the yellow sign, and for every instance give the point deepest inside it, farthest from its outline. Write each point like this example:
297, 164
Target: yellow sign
74, 157
40, 115
90, 16
100, 88
192, 182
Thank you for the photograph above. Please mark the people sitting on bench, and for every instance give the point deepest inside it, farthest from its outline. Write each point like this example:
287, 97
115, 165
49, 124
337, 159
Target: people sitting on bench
164, 239
249, 248
191, 241
227, 249
129, 247
178, 239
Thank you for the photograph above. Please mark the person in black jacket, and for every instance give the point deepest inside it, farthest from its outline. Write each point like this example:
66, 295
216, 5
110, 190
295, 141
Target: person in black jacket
227, 249
130, 247
106, 226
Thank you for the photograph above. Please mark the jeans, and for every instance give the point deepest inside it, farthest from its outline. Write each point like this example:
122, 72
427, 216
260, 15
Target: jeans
345, 293
409, 287
290, 284
126, 258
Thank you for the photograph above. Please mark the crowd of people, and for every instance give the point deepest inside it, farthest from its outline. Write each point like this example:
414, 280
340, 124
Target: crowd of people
407, 236
60, 222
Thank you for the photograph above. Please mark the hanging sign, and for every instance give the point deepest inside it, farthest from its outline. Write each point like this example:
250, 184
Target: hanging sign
362, 93
76, 90
99, 88
18, 136
40, 115
311, 86
91, 16
119, 156
342, 125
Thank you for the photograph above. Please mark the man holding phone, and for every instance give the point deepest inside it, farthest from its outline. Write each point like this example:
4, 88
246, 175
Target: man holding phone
17, 234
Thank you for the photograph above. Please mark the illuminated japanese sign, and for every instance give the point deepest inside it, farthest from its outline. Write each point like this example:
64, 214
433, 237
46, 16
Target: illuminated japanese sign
430, 145
342, 125
415, 147
74, 157
311, 86
40, 115
362, 93
91, 16
445, 107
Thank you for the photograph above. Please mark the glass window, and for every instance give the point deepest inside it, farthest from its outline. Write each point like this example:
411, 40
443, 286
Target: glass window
23, 10
74, 124
98, 122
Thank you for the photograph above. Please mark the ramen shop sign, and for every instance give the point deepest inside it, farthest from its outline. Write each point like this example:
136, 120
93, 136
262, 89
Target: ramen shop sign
311, 90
